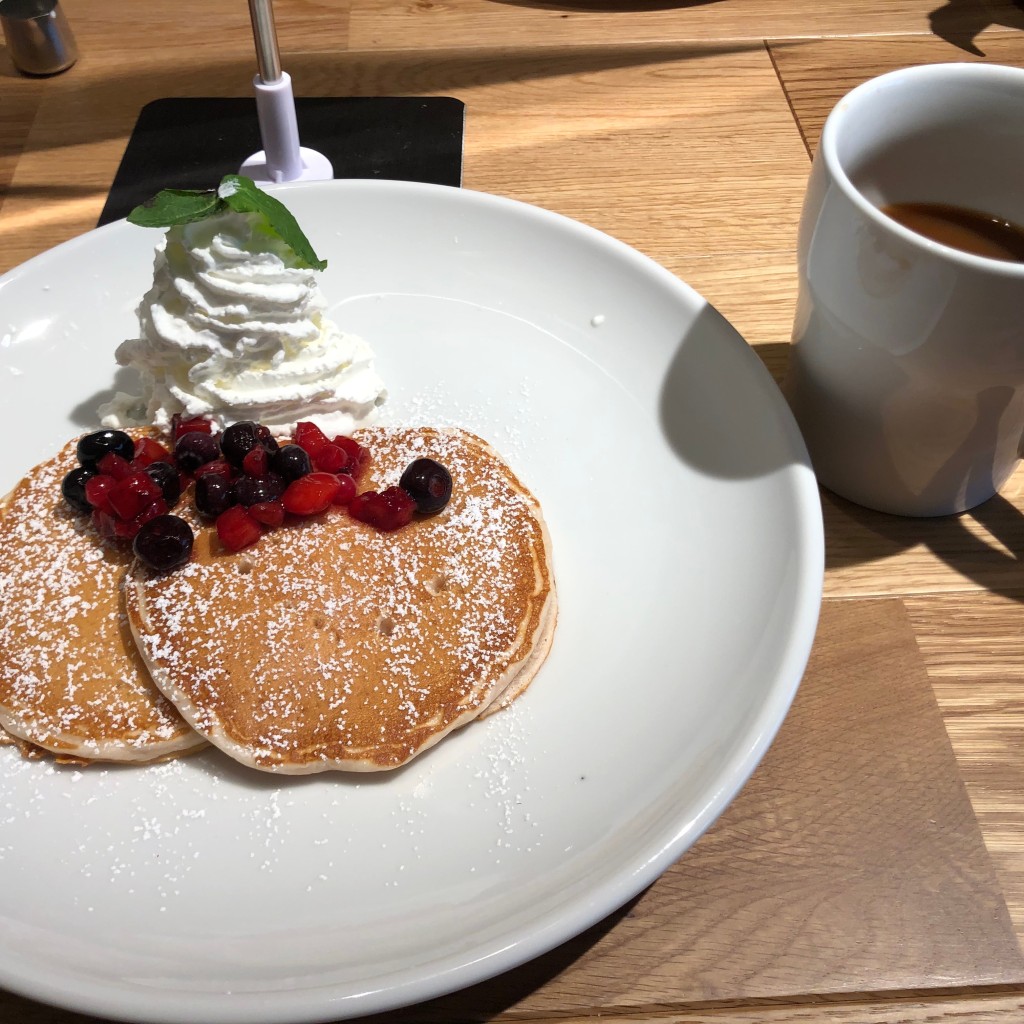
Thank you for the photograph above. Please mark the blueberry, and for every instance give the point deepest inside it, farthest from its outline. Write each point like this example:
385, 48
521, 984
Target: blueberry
213, 494
94, 446
195, 449
73, 488
167, 477
267, 439
428, 483
291, 462
164, 542
239, 439
251, 490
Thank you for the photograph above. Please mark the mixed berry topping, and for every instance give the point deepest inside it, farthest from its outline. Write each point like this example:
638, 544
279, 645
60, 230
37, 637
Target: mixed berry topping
428, 483
195, 449
243, 479
163, 543
93, 447
290, 462
167, 479
213, 494
122, 484
180, 426
73, 488
312, 494
239, 440
252, 490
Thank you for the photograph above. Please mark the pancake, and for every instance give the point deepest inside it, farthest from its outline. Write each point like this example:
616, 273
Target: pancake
71, 679
29, 751
529, 666
330, 645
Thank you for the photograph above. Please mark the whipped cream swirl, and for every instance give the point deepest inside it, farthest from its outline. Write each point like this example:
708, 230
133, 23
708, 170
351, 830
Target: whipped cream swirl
233, 329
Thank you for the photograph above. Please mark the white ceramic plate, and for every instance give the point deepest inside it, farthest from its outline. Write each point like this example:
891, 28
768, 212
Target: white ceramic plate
688, 554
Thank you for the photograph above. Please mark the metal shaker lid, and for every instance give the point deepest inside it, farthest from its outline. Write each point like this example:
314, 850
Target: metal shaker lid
38, 36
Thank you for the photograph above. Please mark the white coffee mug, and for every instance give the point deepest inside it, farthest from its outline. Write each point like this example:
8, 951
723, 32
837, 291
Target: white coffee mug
907, 370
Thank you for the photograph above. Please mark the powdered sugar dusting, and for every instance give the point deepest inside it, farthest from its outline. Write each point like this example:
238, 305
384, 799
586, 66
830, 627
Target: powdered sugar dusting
70, 677
333, 645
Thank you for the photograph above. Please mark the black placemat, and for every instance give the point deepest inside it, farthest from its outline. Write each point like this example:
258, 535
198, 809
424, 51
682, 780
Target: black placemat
194, 142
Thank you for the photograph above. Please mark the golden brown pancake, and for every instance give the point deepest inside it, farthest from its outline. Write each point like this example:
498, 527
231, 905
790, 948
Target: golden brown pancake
71, 679
332, 645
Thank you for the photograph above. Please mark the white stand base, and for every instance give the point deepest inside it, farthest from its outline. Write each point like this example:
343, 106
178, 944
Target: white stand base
315, 167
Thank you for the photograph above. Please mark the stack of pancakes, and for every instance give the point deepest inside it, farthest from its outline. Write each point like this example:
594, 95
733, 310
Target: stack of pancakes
327, 645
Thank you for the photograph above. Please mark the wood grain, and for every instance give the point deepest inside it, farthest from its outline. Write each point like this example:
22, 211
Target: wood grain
18, 107
199, 30
979, 550
817, 73
431, 23
974, 650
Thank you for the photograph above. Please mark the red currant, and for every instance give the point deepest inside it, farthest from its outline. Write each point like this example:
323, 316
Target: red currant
359, 456
269, 513
237, 529
389, 510
113, 465
332, 459
180, 427
310, 494
256, 461
148, 451
346, 490
310, 438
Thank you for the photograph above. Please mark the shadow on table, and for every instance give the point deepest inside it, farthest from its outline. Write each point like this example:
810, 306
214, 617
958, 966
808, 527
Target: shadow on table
985, 544
607, 6
960, 21
88, 101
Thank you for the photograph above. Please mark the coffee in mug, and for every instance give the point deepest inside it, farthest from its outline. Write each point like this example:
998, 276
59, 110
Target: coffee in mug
983, 234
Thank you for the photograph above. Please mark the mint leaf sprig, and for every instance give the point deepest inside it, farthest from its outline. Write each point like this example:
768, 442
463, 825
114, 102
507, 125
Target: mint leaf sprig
185, 206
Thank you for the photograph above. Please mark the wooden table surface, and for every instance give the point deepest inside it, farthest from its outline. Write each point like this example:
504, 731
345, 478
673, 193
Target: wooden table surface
684, 129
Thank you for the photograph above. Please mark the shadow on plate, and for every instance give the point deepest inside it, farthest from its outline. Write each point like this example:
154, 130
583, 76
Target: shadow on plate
719, 427
478, 1003
85, 413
